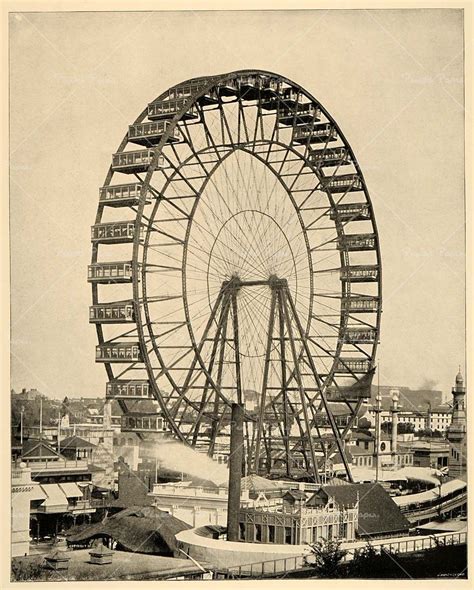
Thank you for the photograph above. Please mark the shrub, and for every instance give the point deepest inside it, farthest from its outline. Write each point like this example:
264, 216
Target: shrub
326, 557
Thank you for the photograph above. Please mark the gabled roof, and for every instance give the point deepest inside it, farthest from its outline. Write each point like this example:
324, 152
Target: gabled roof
33, 448
256, 483
356, 451
296, 494
76, 442
378, 513
359, 435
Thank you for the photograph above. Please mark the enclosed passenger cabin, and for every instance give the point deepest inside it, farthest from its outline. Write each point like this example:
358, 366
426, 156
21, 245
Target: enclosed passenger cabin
342, 183
128, 389
118, 352
357, 242
319, 133
250, 87
339, 156
351, 212
110, 272
191, 88
301, 113
121, 195
291, 96
135, 161
142, 422
167, 109
152, 132
360, 335
117, 232
360, 273
112, 313
360, 304
228, 88
271, 87
352, 365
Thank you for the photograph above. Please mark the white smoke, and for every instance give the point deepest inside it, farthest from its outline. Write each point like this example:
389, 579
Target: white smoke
179, 457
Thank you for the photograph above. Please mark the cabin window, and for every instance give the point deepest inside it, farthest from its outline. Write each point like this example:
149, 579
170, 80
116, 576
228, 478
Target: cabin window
258, 532
271, 533
288, 535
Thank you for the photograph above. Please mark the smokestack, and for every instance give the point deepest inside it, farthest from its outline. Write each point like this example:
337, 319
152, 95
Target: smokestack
395, 398
235, 471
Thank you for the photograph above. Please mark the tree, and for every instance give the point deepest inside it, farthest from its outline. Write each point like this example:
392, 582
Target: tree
406, 428
364, 424
326, 557
370, 563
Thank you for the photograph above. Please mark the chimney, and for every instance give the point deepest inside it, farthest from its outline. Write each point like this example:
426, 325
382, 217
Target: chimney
235, 471
395, 410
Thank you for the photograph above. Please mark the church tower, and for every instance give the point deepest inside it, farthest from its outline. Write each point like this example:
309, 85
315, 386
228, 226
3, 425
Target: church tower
456, 433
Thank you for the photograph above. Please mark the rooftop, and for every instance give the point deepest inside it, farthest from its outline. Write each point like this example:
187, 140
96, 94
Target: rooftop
124, 566
378, 513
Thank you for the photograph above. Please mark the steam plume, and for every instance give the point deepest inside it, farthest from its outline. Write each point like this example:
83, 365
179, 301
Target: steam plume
179, 457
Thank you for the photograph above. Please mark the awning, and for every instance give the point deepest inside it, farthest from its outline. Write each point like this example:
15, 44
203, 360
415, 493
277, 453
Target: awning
71, 490
37, 493
55, 496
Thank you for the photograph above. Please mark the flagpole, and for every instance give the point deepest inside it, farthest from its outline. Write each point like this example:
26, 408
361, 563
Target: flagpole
41, 419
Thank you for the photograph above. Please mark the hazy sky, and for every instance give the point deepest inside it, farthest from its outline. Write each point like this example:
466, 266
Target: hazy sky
391, 79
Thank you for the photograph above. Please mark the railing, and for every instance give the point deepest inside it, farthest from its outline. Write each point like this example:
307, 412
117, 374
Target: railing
270, 567
185, 491
415, 544
435, 507
287, 564
50, 465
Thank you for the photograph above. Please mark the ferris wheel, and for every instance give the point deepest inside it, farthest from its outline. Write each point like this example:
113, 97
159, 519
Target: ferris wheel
235, 258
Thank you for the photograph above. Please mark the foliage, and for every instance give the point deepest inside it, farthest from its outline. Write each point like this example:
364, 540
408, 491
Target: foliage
370, 563
25, 569
32, 412
326, 557
364, 424
429, 433
406, 428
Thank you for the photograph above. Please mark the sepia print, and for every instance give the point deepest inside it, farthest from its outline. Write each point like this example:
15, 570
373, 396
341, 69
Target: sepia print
209, 212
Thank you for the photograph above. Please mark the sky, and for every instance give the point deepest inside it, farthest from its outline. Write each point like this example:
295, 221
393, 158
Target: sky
393, 81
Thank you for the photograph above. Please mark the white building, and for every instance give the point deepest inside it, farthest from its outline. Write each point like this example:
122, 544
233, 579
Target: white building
24, 490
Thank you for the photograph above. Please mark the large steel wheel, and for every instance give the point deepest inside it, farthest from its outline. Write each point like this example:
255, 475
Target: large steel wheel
249, 261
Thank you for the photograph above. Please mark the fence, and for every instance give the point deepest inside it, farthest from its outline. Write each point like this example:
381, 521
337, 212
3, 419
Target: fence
287, 564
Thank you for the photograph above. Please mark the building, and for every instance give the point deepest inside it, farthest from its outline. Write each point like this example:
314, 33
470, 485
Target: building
23, 492
75, 447
364, 453
28, 395
194, 504
411, 399
430, 452
378, 515
456, 433
293, 522
437, 418
64, 491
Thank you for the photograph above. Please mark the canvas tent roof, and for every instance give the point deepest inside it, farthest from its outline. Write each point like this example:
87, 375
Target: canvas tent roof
71, 490
55, 496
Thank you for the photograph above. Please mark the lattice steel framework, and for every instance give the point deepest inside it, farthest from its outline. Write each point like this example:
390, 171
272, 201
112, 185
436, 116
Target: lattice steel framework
245, 259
